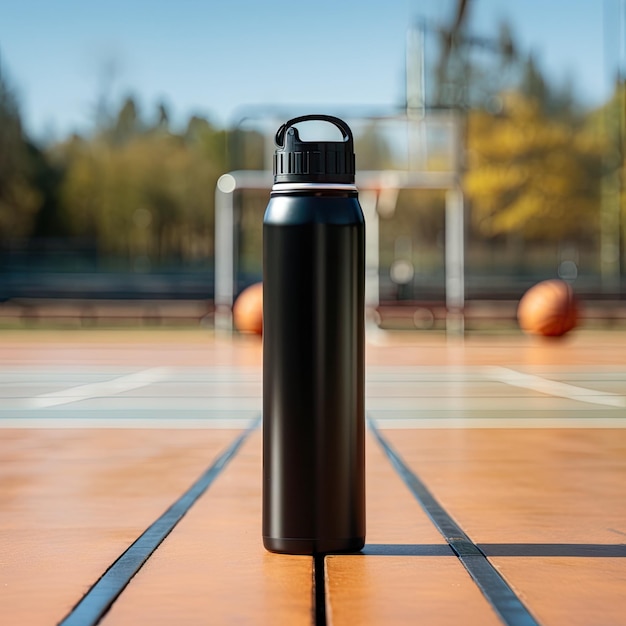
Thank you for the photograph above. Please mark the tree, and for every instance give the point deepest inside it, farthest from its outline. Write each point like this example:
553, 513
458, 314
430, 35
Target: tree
150, 196
19, 198
532, 175
372, 149
127, 124
163, 118
554, 100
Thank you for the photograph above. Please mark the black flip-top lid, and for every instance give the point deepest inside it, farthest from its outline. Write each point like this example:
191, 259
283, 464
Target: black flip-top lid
297, 161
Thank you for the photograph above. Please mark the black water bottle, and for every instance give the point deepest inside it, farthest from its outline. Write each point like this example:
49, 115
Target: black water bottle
313, 347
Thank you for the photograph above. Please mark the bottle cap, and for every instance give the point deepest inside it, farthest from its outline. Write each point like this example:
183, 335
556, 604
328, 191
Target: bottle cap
297, 161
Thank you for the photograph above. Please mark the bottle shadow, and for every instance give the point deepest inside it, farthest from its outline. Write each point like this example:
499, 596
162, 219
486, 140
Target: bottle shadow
586, 550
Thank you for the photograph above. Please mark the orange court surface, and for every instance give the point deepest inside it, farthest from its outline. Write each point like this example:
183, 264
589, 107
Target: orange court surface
130, 483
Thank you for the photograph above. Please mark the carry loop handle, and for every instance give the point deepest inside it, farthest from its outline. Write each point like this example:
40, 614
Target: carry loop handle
297, 161
340, 124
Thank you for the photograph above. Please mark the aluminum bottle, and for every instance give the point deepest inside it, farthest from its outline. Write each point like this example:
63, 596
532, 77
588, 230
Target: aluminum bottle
313, 347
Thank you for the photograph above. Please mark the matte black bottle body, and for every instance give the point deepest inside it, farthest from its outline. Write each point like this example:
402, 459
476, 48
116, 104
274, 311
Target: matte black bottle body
313, 371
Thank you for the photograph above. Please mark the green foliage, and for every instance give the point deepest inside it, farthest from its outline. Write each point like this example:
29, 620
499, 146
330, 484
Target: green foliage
372, 149
143, 195
20, 198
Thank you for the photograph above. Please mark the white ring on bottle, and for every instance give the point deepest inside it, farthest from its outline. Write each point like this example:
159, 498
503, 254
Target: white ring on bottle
312, 186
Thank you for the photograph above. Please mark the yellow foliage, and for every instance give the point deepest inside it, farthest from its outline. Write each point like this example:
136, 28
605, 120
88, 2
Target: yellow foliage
530, 174
18, 207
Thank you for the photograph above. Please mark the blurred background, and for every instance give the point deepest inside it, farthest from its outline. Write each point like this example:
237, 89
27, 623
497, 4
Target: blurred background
490, 142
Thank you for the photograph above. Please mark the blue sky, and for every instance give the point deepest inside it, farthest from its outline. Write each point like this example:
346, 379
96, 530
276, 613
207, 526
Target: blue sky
214, 57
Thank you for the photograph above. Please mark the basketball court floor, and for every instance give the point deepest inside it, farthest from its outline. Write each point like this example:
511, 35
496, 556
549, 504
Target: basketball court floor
130, 484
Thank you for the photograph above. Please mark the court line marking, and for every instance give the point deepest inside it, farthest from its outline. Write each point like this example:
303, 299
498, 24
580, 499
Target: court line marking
453, 423
383, 423
92, 607
100, 389
552, 387
494, 587
125, 423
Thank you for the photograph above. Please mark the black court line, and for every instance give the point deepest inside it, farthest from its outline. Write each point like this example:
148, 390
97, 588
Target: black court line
502, 598
319, 590
98, 600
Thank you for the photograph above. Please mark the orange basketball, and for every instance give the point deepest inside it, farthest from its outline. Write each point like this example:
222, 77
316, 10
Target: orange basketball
248, 310
548, 309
